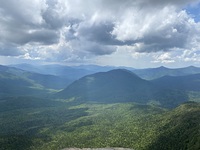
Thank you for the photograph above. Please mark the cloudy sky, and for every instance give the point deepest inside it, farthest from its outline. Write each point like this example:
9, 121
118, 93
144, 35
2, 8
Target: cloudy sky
136, 33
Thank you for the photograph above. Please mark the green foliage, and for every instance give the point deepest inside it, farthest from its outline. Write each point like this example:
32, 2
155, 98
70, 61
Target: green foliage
121, 86
184, 83
63, 123
182, 130
16, 82
194, 96
98, 112
28, 117
13, 142
131, 125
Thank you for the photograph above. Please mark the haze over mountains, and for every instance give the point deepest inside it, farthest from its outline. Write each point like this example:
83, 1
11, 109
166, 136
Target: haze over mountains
154, 73
71, 72
20, 82
75, 72
54, 107
169, 87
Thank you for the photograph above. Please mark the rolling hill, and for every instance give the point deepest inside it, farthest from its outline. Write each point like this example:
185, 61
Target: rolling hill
120, 85
154, 73
15, 81
186, 83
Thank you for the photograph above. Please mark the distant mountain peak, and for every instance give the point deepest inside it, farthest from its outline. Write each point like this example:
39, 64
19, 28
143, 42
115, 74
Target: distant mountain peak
120, 70
120, 74
162, 67
117, 85
191, 67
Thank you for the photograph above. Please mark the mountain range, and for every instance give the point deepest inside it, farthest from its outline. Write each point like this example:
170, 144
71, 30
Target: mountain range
76, 72
154, 73
54, 107
70, 72
118, 85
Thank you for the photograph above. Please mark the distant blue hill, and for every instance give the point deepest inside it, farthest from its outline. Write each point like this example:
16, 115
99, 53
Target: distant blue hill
76, 72
154, 73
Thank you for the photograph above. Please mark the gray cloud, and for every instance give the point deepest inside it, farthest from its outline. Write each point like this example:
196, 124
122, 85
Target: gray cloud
77, 28
100, 33
163, 31
52, 17
20, 37
177, 36
45, 37
24, 24
97, 49
86, 48
23, 13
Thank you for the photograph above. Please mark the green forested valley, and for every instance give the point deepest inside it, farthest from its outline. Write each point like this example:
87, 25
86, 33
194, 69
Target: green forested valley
106, 109
59, 124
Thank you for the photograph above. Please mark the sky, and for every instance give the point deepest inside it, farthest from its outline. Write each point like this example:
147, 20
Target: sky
134, 33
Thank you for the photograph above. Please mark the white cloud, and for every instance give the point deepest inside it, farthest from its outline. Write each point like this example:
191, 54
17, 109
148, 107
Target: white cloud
70, 30
164, 58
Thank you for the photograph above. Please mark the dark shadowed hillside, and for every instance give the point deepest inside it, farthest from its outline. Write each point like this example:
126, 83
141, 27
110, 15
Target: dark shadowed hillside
120, 86
187, 83
15, 81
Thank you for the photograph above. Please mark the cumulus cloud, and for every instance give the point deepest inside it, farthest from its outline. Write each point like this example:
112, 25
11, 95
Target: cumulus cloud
161, 31
164, 58
77, 29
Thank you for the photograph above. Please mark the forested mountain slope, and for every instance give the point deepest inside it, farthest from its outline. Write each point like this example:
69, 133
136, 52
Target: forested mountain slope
187, 83
61, 124
120, 85
15, 81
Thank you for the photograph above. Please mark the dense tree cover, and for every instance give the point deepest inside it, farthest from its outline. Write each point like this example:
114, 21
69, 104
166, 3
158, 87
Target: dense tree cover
184, 83
63, 123
17, 82
121, 85
113, 109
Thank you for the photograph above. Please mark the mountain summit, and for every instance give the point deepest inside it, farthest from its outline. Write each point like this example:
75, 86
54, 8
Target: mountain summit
118, 85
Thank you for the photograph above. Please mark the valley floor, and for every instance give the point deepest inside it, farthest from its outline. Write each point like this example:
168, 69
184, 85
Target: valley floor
57, 124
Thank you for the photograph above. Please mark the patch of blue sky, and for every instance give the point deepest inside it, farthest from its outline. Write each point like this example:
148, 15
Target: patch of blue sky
194, 11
